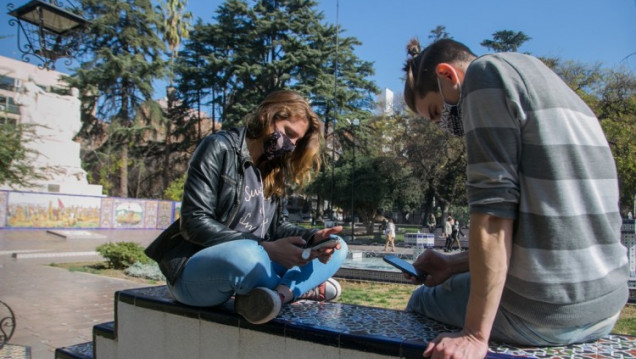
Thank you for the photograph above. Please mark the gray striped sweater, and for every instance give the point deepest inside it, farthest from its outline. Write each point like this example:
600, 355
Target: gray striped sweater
537, 154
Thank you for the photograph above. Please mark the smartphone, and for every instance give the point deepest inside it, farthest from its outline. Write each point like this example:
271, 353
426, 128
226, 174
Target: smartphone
402, 265
329, 242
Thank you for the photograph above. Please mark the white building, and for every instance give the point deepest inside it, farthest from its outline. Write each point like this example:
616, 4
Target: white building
30, 95
386, 103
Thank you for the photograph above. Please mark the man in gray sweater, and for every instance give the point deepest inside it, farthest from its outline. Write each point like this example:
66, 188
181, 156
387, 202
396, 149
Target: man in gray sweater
546, 263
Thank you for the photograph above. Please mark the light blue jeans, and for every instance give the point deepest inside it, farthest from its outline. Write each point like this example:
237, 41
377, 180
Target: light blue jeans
216, 273
446, 303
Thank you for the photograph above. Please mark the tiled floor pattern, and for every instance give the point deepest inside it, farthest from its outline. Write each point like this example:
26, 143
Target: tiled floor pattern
11, 351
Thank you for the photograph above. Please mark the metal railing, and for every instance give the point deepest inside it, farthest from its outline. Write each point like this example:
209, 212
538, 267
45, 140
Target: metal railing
7, 323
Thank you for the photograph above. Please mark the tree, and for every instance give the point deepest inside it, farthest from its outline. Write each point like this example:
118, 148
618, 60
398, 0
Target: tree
175, 27
617, 111
371, 186
438, 162
253, 50
611, 94
16, 158
124, 57
439, 33
505, 41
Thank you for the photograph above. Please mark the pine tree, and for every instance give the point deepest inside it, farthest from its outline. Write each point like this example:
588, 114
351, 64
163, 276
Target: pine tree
124, 57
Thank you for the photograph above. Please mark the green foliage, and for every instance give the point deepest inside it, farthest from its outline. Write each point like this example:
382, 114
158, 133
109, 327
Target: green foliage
257, 47
121, 255
611, 94
174, 192
125, 57
439, 33
16, 158
148, 270
505, 41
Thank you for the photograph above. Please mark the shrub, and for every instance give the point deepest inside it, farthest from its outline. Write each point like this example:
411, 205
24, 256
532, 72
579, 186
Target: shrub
121, 255
145, 270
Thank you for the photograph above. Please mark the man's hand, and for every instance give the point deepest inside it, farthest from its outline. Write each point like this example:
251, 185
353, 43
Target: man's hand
459, 345
438, 266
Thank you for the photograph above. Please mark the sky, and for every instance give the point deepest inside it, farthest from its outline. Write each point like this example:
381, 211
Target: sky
586, 31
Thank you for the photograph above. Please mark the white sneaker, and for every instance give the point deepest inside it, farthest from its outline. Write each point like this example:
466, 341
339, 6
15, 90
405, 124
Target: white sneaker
258, 306
327, 291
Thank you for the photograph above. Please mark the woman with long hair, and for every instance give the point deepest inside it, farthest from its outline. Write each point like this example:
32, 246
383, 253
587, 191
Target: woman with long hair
232, 239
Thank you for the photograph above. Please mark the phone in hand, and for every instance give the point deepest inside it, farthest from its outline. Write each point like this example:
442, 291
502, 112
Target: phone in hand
402, 265
329, 242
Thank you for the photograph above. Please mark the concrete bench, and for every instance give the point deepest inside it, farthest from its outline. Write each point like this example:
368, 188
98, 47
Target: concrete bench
149, 323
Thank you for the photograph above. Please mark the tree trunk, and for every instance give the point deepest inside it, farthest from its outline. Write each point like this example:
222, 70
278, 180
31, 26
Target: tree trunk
123, 185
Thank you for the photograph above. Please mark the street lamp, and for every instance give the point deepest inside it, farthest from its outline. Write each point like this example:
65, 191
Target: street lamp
49, 30
353, 125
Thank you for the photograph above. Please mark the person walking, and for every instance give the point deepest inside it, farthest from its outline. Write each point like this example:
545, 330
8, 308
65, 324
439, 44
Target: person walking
431, 223
545, 264
389, 233
232, 240
457, 231
448, 232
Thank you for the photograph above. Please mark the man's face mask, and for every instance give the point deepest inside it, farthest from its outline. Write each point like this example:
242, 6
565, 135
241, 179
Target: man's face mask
451, 116
277, 144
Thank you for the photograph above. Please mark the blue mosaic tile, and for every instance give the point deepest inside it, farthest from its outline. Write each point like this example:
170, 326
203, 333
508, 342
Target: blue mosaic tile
382, 331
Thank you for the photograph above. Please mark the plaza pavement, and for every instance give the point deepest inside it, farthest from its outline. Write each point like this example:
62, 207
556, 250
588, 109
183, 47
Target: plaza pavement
55, 307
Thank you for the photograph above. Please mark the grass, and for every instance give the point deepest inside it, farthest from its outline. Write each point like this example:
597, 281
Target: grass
375, 294
372, 294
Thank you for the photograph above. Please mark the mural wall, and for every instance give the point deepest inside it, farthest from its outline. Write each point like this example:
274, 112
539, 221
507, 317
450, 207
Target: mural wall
51, 210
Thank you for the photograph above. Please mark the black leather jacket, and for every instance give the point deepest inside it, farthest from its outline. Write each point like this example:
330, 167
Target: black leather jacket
211, 200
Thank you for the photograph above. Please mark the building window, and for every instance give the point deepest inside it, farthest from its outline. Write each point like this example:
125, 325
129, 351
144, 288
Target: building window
7, 83
8, 106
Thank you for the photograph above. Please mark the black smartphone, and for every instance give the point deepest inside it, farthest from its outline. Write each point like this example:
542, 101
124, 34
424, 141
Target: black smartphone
401, 264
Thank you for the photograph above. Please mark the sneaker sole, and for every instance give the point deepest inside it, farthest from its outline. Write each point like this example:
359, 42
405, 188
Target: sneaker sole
335, 288
258, 306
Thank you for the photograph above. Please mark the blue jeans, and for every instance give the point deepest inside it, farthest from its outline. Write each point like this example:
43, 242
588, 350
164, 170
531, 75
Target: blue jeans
216, 273
446, 303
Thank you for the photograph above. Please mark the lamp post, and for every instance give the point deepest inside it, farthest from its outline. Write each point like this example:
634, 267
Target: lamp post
50, 31
333, 169
353, 124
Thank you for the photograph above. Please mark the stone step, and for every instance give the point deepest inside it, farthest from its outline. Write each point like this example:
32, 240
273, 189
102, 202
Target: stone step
77, 351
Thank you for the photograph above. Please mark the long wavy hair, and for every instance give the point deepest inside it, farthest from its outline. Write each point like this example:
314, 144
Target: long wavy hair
295, 167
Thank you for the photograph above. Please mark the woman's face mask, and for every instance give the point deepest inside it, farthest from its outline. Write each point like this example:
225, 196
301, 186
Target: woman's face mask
451, 116
277, 144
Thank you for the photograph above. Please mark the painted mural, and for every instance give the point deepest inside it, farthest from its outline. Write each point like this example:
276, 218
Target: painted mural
51, 210
129, 213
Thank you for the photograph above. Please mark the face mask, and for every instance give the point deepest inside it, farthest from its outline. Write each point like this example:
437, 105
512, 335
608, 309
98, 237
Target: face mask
276, 145
451, 116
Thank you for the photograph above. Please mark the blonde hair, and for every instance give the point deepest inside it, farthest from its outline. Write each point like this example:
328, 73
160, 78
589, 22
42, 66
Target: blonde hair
295, 167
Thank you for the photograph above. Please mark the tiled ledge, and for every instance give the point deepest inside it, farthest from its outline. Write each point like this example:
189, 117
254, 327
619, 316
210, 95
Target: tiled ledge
324, 329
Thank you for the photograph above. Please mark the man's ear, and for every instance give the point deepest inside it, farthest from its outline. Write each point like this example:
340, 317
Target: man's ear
446, 72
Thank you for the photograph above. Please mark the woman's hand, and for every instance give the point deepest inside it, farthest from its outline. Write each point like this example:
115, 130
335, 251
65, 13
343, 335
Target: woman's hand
324, 254
286, 251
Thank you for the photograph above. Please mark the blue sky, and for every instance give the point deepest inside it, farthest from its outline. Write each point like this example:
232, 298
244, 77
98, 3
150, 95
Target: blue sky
587, 31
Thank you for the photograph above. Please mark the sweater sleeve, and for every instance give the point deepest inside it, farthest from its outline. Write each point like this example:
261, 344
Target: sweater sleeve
492, 116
